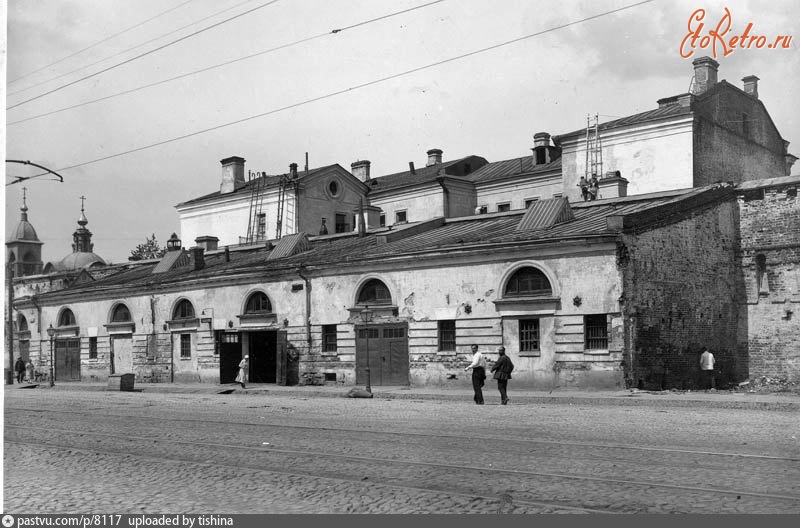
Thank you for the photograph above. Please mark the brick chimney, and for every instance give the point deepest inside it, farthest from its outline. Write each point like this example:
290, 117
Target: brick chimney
232, 174
705, 74
360, 170
751, 85
541, 148
434, 157
208, 242
612, 185
197, 259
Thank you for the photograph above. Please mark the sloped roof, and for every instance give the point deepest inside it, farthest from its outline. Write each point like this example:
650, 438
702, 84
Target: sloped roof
543, 214
590, 219
512, 167
422, 174
669, 110
268, 181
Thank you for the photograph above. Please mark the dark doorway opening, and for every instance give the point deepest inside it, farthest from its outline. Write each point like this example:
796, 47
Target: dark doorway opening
229, 348
263, 357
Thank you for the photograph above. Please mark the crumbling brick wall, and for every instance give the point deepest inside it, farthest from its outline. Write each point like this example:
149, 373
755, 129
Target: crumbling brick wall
681, 293
770, 267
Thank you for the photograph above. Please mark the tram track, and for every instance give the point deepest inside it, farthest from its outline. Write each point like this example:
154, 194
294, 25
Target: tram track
441, 477
471, 437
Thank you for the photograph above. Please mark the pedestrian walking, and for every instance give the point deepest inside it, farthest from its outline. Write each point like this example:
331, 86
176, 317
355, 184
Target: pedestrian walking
502, 373
707, 370
241, 378
478, 367
29, 371
19, 368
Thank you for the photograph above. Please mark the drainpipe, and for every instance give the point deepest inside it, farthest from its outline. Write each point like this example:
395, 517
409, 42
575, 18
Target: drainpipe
308, 305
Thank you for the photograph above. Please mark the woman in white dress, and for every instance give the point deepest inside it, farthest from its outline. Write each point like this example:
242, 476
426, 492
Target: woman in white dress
241, 378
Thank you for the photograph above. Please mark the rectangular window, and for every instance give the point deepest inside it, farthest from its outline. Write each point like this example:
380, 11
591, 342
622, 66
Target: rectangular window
501, 208
530, 201
186, 345
341, 223
596, 329
400, 217
329, 338
92, 348
557, 195
371, 333
262, 226
447, 336
382, 220
528, 335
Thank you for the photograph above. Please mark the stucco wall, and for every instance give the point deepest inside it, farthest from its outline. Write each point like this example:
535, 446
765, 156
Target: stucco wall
419, 204
651, 156
682, 291
517, 192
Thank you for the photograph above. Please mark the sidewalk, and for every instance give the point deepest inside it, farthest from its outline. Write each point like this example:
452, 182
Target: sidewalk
634, 397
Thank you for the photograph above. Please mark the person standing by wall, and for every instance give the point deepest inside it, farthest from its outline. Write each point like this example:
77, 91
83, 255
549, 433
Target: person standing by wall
241, 377
478, 367
19, 368
707, 370
29, 371
502, 373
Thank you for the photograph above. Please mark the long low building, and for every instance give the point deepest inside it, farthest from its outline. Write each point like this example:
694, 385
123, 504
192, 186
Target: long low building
607, 293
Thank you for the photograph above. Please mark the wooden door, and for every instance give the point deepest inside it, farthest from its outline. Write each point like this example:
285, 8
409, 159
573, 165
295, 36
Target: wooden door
68, 360
387, 349
229, 348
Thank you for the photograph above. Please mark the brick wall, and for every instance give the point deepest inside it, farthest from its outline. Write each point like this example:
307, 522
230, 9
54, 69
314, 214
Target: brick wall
770, 267
680, 293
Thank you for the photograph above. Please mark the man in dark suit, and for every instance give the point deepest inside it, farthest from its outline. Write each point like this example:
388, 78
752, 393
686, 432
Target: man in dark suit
502, 373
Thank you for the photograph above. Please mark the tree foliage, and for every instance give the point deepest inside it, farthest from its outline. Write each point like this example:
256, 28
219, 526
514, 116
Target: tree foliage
149, 250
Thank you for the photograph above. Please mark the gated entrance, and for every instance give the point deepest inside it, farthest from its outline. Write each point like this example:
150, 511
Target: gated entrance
229, 348
388, 354
67, 360
267, 351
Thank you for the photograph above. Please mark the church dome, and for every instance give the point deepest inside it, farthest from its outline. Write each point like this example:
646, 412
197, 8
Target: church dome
79, 260
24, 231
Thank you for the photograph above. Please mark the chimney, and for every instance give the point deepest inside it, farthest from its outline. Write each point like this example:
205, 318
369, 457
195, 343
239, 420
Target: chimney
411, 167
293, 171
705, 74
612, 185
208, 243
541, 148
360, 170
434, 157
196, 258
232, 174
751, 85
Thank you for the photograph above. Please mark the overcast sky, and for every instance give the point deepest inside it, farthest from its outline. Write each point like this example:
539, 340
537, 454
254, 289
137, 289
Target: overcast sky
489, 104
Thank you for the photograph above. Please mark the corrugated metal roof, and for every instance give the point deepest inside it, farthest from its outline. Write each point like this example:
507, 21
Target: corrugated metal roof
511, 167
665, 111
290, 245
543, 214
424, 174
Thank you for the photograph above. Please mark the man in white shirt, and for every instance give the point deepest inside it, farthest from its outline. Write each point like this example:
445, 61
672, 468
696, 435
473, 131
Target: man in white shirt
478, 367
707, 369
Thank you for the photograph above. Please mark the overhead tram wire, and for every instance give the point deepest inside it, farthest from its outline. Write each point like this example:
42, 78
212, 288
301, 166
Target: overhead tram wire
62, 59
209, 68
359, 86
212, 15
265, 4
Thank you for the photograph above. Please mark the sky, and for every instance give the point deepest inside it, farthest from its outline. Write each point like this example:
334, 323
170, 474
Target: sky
384, 88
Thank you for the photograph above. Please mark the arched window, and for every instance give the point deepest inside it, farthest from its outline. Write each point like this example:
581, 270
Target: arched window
374, 292
528, 281
184, 310
258, 303
67, 318
121, 314
22, 324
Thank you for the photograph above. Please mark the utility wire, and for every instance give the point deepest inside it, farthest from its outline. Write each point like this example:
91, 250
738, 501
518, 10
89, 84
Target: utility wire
212, 15
62, 59
358, 86
247, 57
143, 54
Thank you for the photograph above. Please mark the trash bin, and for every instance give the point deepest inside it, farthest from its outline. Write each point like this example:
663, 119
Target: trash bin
121, 382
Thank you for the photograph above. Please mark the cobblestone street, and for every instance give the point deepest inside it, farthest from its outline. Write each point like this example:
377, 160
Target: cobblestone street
107, 452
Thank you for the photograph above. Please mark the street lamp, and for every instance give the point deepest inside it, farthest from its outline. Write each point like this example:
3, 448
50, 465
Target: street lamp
51, 332
366, 317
